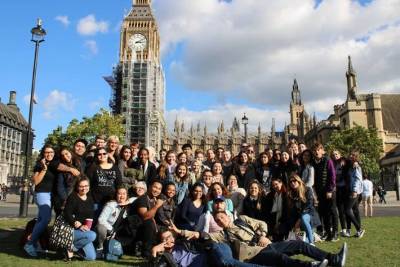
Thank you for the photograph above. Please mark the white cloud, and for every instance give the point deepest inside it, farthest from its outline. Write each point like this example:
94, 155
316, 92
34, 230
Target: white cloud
57, 101
252, 50
215, 115
89, 26
63, 19
92, 46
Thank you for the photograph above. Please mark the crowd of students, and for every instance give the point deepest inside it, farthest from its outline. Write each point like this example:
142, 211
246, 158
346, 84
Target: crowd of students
110, 191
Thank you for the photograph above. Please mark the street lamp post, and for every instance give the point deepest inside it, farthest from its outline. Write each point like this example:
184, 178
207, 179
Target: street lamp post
245, 121
38, 34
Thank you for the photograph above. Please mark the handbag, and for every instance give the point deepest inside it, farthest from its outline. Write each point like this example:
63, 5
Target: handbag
62, 234
296, 236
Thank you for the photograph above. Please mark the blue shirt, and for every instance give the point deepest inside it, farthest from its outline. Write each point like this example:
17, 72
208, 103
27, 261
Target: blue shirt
185, 258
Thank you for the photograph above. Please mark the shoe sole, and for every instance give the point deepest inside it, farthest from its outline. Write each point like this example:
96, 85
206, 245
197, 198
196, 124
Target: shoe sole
362, 234
324, 263
343, 262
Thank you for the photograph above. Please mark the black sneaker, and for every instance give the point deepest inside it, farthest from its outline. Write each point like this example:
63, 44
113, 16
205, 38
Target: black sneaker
339, 260
360, 233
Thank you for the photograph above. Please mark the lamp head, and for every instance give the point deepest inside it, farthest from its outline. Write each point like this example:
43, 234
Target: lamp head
245, 120
38, 32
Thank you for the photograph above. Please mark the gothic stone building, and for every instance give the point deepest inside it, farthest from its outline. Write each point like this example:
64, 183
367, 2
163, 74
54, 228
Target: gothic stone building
379, 111
13, 129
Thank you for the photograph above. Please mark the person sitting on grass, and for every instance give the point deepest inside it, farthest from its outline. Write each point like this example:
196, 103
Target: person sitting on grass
79, 214
108, 223
251, 234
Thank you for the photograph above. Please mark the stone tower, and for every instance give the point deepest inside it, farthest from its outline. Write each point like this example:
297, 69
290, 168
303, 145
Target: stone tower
351, 78
138, 80
296, 111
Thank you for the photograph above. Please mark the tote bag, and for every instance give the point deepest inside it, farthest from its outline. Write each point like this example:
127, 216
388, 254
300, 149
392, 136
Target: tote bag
62, 234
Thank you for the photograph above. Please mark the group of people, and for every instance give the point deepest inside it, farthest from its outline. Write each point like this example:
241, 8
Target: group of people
190, 207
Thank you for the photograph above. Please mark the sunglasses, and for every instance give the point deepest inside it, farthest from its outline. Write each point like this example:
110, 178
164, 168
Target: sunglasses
101, 154
293, 181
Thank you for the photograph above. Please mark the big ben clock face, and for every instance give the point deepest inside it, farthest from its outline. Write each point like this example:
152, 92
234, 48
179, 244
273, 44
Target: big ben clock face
137, 42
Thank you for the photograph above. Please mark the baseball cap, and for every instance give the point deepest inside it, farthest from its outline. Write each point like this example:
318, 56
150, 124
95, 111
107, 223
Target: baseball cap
219, 198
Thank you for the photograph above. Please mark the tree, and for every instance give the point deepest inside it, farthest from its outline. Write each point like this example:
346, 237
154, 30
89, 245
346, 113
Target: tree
364, 140
101, 123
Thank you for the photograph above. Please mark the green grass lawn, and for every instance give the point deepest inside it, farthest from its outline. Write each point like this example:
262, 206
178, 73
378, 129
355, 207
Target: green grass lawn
379, 247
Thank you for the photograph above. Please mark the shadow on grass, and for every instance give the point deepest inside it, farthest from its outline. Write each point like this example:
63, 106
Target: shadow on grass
10, 248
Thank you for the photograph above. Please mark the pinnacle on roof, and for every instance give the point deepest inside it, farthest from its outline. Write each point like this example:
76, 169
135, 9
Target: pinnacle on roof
350, 65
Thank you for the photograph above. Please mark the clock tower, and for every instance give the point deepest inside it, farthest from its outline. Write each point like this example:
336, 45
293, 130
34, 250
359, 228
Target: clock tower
138, 80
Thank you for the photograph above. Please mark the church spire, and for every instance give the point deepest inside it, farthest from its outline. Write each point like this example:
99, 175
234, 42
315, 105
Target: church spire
296, 99
351, 77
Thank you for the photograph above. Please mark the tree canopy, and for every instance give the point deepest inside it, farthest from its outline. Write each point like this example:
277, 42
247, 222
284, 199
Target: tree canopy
101, 123
364, 140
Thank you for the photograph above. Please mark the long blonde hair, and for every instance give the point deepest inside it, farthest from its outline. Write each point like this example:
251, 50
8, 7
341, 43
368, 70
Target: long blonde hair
300, 192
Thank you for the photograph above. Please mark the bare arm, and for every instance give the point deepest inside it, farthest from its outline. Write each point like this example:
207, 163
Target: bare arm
147, 214
64, 168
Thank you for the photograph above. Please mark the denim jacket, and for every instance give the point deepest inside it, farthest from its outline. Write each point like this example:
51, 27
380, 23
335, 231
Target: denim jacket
110, 213
356, 184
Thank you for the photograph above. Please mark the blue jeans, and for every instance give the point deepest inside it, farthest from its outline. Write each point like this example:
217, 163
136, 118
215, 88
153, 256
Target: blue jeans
306, 225
84, 240
43, 201
222, 255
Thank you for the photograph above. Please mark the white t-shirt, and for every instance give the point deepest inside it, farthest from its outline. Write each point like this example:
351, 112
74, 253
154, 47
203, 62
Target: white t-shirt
367, 188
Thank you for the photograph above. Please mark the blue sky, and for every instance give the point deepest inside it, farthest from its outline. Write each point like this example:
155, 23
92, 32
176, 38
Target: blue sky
72, 62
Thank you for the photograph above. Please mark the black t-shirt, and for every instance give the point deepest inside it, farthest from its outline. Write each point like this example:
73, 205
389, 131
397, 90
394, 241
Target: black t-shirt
77, 209
49, 180
104, 182
141, 202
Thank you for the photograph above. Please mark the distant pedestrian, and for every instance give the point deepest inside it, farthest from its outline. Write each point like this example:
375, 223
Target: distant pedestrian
367, 196
4, 190
381, 194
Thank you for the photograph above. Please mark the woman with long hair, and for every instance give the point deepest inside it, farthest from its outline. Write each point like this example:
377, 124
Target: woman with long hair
181, 180
44, 178
277, 209
263, 170
307, 170
192, 207
112, 148
301, 204
287, 168
79, 214
244, 170
105, 178
65, 180
217, 190
356, 187
254, 204
342, 166
124, 163
166, 213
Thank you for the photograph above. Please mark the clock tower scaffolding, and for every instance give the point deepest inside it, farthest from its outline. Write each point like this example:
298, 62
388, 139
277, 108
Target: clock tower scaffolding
138, 81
